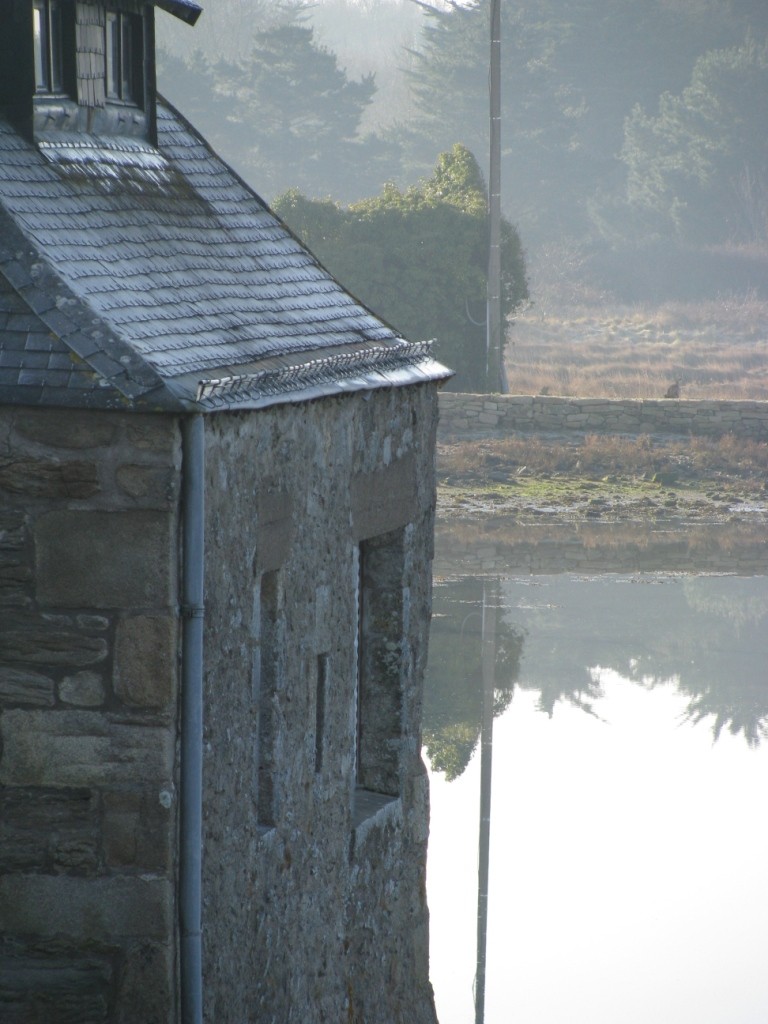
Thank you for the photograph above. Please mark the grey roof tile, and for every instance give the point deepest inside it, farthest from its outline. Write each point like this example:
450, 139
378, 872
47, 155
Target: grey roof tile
158, 265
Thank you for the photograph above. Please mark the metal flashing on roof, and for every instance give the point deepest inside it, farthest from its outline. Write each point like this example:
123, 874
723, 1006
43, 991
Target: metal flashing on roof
314, 373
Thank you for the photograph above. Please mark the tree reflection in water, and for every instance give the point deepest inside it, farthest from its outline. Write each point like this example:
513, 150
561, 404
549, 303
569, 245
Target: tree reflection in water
705, 635
453, 698
603, 775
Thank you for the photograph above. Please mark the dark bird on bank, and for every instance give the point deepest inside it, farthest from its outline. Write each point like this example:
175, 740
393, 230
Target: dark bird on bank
673, 391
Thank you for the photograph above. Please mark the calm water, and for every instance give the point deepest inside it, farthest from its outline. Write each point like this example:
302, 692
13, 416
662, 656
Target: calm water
627, 876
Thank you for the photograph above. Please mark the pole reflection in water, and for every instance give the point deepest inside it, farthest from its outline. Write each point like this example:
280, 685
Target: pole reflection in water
490, 599
625, 879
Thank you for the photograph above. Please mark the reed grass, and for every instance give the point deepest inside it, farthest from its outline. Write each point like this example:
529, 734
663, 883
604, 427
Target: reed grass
716, 350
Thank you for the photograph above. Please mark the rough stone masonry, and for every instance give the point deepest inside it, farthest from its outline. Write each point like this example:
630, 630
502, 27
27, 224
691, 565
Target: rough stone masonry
315, 813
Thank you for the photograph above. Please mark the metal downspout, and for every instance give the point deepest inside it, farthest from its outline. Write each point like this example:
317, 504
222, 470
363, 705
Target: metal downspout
191, 770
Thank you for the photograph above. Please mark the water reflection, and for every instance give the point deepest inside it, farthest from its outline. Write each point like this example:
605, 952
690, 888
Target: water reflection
705, 636
595, 781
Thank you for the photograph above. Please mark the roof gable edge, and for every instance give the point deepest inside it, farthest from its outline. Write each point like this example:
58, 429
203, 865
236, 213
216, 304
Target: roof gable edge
79, 327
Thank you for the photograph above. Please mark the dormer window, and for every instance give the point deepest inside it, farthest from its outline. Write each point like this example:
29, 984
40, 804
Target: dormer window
49, 63
82, 65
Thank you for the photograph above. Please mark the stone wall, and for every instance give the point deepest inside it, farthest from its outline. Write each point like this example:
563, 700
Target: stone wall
88, 650
489, 414
315, 813
506, 549
314, 888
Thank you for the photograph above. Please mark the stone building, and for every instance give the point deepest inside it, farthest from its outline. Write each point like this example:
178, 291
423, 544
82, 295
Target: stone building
216, 512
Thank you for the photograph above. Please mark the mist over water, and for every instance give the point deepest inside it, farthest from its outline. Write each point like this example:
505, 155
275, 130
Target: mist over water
627, 844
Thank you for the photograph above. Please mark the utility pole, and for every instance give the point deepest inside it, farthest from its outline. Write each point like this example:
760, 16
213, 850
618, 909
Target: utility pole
495, 376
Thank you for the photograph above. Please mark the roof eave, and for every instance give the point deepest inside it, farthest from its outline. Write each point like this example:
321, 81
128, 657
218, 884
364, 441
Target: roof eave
427, 371
185, 10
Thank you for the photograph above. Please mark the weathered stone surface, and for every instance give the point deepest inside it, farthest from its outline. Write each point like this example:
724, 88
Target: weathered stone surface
383, 500
52, 830
154, 434
21, 686
82, 748
83, 689
145, 661
99, 909
137, 830
12, 530
41, 478
274, 509
105, 559
66, 428
144, 990
300, 882
138, 481
13, 573
15, 560
30, 639
54, 983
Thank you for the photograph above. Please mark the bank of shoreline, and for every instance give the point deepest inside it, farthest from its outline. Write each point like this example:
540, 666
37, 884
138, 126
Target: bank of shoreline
540, 479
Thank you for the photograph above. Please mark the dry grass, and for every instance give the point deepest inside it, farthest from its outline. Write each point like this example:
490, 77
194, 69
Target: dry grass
599, 455
717, 350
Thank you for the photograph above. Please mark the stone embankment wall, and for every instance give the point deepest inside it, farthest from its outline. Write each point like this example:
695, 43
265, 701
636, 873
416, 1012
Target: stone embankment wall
462, 414
598, 548
88, 648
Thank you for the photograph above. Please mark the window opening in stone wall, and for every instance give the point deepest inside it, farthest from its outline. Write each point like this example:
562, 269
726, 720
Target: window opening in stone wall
47, 28
269, 659
320, 692
380, 669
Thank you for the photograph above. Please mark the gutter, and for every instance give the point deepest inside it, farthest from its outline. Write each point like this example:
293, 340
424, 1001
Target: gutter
191, 754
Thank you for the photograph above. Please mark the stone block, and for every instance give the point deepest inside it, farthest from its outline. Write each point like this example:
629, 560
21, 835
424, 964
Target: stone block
12, 530
145, 661
87, 909
15, 581
157, 434
153, 482
274, 509
39, 640
22, 686
43, 478
83, 689
54, 983
66, 428
144, 988
105, 559
384, 500
51, 830
137, 830
82, 748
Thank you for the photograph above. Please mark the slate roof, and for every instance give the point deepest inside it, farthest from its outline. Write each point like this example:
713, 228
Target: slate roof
155, 278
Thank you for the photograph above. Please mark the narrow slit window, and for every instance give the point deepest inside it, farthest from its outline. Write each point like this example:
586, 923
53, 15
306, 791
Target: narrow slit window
320, 697
269, 654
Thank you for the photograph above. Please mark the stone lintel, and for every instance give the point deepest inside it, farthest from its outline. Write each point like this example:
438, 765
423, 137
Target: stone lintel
384, 500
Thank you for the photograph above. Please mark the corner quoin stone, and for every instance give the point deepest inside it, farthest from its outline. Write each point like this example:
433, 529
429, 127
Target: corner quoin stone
144, 661
87, 908
82, 748
104, 559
